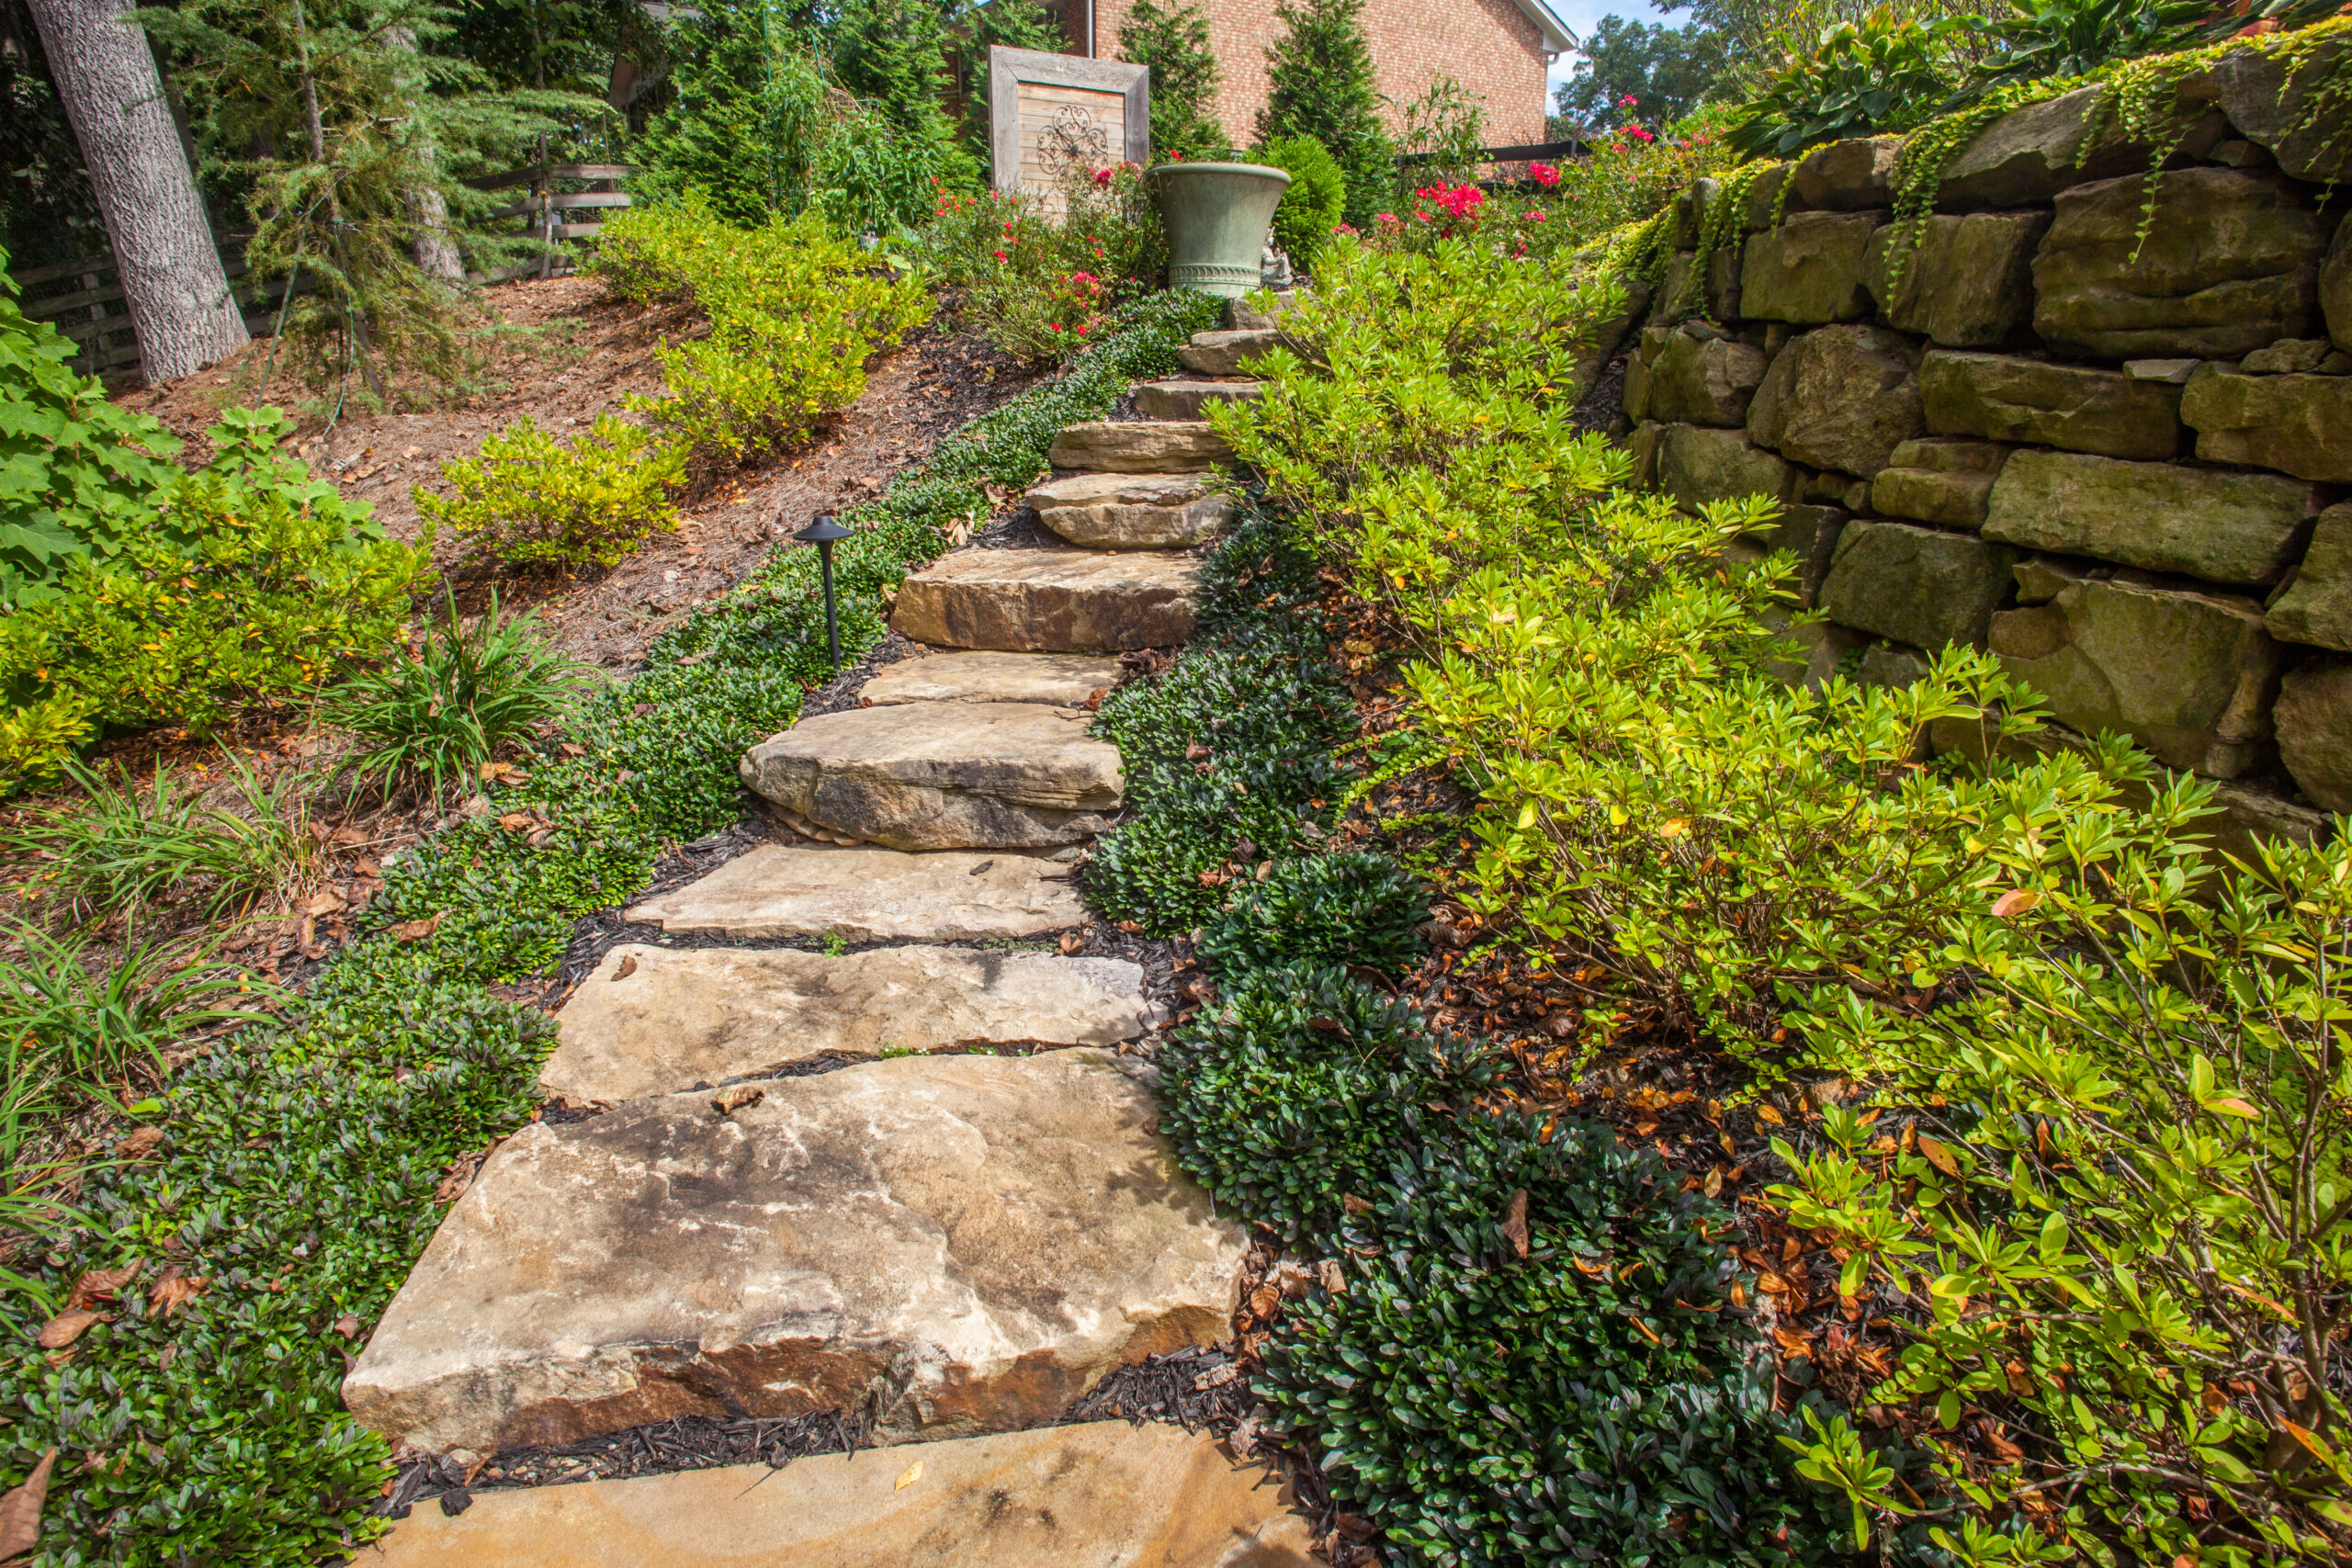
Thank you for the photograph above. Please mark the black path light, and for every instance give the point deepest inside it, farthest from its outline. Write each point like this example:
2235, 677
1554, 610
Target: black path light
821, 532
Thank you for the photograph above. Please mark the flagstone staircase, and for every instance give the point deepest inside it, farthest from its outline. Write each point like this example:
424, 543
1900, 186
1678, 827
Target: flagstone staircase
950, 1238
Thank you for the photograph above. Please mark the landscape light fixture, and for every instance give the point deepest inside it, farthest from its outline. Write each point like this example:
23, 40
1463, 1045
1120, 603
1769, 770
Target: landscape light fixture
821, 532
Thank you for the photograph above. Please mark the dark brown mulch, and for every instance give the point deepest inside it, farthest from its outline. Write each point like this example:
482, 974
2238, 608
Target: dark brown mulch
686, 1442
1604, 402
1019, 529
1194, 1388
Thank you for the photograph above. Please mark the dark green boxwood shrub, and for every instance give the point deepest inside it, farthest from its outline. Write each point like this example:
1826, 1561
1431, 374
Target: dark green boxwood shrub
1317, 198
1593, 1401
1335, 908
1299, 1086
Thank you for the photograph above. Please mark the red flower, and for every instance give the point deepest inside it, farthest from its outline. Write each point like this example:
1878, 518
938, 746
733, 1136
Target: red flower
1101, 176
1001, 257
1638, 134
1543, 174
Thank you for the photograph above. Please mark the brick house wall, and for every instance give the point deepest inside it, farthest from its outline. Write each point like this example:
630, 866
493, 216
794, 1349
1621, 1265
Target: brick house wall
1491, 46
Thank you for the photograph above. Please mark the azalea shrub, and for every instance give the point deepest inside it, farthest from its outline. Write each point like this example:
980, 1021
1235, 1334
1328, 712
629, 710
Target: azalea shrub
529, 498
2087, 1143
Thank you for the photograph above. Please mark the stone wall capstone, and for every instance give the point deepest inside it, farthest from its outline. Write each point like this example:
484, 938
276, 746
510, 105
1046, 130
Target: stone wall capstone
2116, 452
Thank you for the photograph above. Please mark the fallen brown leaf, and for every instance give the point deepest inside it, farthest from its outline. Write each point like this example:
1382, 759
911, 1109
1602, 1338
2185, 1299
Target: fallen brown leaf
324, 904
728, 1101
20, 1510
98, 1287
172, 1291
1217, 1376
347, 1325
626, 968
415, 930
1939, 1156
1515, 1222
65, 1328
1263, 1300
138, 1144
1353, 1205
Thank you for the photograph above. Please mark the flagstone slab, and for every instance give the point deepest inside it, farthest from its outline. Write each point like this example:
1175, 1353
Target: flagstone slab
1133, 511
1062, 680
1050, 601
1191, 400
870, 893
1139, 446
944, 775
944, 1245
658, 1019
1225, 352
1099, 1495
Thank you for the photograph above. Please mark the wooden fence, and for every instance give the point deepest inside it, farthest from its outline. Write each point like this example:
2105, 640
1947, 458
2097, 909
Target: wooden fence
83, 298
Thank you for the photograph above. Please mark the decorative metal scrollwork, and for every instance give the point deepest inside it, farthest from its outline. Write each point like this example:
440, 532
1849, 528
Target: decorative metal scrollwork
1073, 138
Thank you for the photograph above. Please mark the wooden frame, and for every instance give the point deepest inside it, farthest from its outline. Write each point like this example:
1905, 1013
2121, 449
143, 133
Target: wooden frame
1009, 68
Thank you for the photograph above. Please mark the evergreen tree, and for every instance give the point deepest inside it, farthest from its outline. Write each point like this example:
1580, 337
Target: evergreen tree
893, 56
1009, 24
1175, 44
1322, 86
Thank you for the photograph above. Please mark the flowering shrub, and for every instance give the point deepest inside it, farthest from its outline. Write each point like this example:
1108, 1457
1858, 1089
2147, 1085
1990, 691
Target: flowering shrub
1037, 284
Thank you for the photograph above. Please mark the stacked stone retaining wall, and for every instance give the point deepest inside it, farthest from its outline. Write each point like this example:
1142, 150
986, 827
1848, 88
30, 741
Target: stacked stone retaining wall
2121, 462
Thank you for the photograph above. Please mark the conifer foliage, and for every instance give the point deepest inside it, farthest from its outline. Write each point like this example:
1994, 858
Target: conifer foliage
1175, 44
1322, 86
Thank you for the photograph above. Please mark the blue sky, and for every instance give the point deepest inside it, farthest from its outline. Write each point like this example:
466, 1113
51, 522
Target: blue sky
1579, 14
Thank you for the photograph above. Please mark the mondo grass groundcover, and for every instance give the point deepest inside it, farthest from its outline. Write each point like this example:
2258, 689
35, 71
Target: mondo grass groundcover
1537, 1359
239, 1264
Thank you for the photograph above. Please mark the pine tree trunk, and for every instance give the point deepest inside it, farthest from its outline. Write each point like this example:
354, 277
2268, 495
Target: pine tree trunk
179, 300
435, 249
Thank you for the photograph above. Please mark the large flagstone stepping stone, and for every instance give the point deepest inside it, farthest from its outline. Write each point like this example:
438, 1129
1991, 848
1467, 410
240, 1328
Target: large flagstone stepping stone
946, 1244
1064, 680
1099, 1495
1223, 353
1191, 400
944, 775
1133, 511
1139, 446
1050, 601
658, 1019
870, 894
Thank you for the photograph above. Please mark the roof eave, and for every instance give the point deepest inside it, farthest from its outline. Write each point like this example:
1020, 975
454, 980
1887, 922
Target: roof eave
1556, 36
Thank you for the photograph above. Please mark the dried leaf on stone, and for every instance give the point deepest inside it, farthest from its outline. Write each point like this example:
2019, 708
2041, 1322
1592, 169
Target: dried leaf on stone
728, 1101
20, 1510
65, 1328
626, 968
908, 1477
1217, 1377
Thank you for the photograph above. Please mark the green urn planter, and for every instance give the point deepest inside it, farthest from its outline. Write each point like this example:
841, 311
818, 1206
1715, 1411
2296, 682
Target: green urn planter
1217, 214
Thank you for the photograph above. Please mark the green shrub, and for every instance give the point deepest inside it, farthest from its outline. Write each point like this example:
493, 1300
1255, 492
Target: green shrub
530, 498
1316, 201
1038, 283
431, 719
794, 314
1298, 1085
1330, 909
245, 585
1587, 1398
2040, 40
84, 475
1885, 72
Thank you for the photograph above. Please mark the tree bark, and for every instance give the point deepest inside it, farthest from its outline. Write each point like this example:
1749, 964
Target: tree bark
435, 249
171, 280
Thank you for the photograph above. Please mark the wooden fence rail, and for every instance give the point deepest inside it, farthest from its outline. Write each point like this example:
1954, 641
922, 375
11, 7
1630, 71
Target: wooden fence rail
90, 308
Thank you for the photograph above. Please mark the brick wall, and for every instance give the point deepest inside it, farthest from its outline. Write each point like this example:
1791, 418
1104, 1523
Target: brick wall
1488, 46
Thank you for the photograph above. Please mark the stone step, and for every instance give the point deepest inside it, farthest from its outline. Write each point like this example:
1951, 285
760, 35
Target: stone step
1050, 601
658, 1020
1191, 400
1139, 446
944, 1245
1134, 511
1242, 316
944, 775
870, 894
1223, 353
1062, 680
1099, 1495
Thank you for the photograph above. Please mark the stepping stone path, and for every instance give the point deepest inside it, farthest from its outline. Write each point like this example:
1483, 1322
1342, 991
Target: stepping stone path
948, 1244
